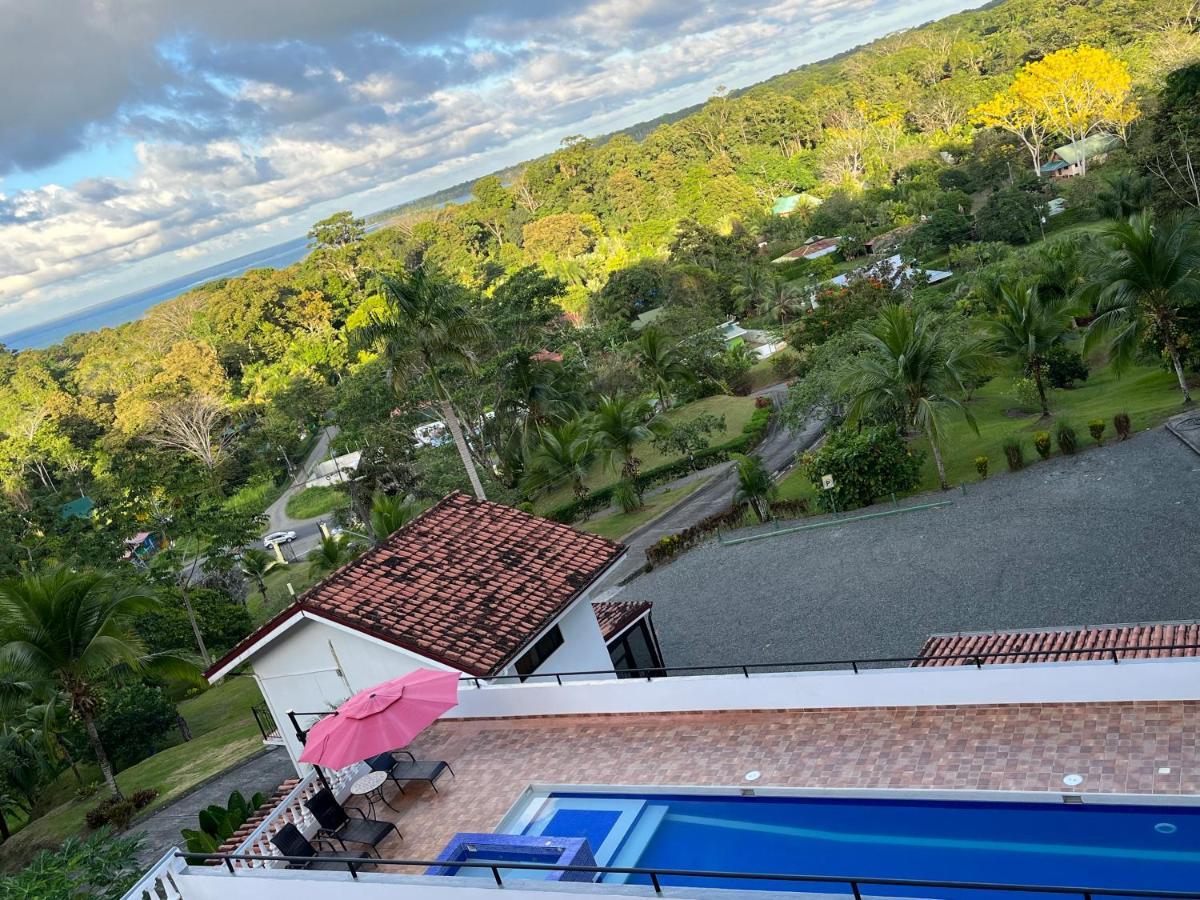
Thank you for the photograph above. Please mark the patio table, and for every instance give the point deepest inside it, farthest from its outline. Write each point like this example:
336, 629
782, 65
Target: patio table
369, 786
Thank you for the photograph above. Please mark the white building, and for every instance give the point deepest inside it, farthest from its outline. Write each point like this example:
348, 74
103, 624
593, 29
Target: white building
336, 470
469, 585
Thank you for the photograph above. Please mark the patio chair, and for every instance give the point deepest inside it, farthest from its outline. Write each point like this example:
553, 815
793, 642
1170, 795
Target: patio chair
290, 842
400, 771
337, 825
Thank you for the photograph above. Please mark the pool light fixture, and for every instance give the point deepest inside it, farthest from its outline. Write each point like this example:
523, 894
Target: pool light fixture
1073, 780
753, 775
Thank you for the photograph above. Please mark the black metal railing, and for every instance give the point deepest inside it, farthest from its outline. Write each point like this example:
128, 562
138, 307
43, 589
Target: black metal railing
265, 721
978, 660
655, 876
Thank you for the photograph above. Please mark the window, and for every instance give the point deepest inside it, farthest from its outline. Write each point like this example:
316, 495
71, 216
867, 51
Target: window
540, 652
633, 653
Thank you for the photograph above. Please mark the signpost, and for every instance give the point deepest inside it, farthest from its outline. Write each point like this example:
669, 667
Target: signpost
827, 484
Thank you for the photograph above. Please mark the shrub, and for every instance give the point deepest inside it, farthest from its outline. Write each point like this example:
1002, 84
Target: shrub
672, 545
1041, 443
143, 798
117, 812
1025, 392
866, 464
1096, 427
626, 495
981, 466
762, 402
222, 622
787, 365
1067, 441
87, 791
133, 722
1065, 367
1122, 425
1015, 455
218, 823
99, 867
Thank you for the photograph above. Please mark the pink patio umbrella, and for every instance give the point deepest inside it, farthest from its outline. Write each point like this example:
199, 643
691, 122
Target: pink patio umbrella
385, 717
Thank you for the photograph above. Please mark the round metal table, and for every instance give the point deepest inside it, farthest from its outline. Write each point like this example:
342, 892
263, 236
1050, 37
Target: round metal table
370, 787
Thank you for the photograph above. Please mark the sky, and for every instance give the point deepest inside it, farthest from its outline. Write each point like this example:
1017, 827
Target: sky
141, 140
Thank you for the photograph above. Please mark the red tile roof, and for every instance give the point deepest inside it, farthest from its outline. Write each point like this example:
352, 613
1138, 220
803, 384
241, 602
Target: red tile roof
546, 356
806, 250
467, 583
1064, 645
614, 616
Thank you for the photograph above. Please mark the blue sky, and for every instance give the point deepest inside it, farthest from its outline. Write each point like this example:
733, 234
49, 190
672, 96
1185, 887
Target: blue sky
151, 140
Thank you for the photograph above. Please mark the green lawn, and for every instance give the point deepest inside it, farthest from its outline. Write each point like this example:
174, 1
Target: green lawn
262, 608
762, 374
615, 526
223, 735
255, 496
316, 501
736, 410
1149, 395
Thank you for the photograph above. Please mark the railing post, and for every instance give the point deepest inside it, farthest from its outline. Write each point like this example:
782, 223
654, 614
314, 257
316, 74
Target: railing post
979, 662
746, 671
654, 881
229, 865
1116, 659
857, 892
558, 678
496, 875
854, 666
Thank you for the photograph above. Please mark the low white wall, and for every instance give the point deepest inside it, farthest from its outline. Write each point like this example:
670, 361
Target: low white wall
1075, 682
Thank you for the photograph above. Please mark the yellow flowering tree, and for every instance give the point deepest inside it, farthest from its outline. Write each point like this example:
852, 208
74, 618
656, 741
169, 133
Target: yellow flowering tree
1074, 93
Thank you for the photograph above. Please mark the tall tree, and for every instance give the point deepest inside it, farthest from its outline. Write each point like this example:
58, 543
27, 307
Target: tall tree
391, 512
562, 453
332, 553
1027, 326
1145, 277
424, 325
660, 360
913, 368
73, 629
618, 425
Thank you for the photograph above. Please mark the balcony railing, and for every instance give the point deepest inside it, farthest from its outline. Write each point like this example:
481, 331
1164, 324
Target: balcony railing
266, 724
978, 660
657, 877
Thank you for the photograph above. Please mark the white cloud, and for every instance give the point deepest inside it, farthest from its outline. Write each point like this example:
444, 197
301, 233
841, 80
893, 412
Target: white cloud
246, 117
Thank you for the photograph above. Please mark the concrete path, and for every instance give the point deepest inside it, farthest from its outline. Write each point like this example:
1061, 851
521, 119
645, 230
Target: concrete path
1186, 427
160, 831
778, 451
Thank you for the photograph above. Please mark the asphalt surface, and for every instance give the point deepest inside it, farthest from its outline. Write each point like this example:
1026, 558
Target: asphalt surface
160, 831
308, 534
1107, 536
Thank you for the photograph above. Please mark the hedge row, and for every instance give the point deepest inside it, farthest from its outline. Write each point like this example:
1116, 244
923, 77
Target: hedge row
672, 545
751, 436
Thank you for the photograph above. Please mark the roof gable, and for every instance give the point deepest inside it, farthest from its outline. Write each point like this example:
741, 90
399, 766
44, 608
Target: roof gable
468, 583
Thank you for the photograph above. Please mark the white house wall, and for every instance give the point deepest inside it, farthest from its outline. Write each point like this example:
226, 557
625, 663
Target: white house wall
583, 648
316, 666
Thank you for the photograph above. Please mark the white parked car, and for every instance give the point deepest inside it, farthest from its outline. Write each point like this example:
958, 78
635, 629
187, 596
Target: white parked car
279, 537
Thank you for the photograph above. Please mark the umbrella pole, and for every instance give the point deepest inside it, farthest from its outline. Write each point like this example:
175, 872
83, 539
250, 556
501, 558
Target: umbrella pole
302, 736
321, 777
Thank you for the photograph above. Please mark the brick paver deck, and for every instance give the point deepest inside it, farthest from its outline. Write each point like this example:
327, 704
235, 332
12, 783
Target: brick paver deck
1118, 747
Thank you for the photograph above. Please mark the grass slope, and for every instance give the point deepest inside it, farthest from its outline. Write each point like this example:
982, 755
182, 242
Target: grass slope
223, 735
736, 410
316, 501
615, 526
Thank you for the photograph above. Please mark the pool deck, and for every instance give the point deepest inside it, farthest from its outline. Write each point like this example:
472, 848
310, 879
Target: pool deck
1118, 747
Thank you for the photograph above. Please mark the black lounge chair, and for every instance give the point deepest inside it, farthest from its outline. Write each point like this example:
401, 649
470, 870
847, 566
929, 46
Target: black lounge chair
400, 771
337, 825
290, 842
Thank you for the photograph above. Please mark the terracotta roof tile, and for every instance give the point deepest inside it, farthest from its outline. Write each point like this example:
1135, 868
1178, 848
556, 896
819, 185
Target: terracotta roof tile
1064, 644
614, 616
467, 583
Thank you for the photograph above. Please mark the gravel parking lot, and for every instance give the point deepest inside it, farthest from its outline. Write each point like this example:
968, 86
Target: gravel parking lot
1108, 536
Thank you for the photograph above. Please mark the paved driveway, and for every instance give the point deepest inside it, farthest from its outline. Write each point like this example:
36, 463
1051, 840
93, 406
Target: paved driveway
1108, 536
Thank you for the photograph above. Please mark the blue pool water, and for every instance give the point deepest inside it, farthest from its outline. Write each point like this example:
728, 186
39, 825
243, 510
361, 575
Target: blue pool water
1090, 845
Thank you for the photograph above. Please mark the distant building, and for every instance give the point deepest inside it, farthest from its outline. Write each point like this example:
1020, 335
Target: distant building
141, 547
786, 206
813, 248
898, 269
761, 343
1069, 159
338, 470
649, 317
79, 508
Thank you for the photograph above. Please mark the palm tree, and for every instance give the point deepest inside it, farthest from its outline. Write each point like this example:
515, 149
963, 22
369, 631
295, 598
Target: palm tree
1148, 271
255, 564
913, 368
1027, 326
562, 453
659, 358
784, 301
754, 286
391, 512
1124, 193
755, 487
618, 425
73, 629
331, 554
423, 326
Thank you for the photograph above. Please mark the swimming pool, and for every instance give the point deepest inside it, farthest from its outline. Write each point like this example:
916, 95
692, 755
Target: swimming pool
1122, 846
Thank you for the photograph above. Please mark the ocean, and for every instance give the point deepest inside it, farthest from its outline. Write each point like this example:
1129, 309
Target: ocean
131, 306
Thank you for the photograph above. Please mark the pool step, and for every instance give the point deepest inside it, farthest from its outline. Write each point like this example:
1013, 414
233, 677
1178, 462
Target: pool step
635, 841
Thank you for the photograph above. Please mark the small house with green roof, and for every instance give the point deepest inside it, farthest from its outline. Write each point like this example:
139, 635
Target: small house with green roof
786, 206
79, 508
1071, 159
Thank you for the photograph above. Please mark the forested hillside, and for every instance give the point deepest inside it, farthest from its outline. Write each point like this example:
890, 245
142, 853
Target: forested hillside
205, 402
